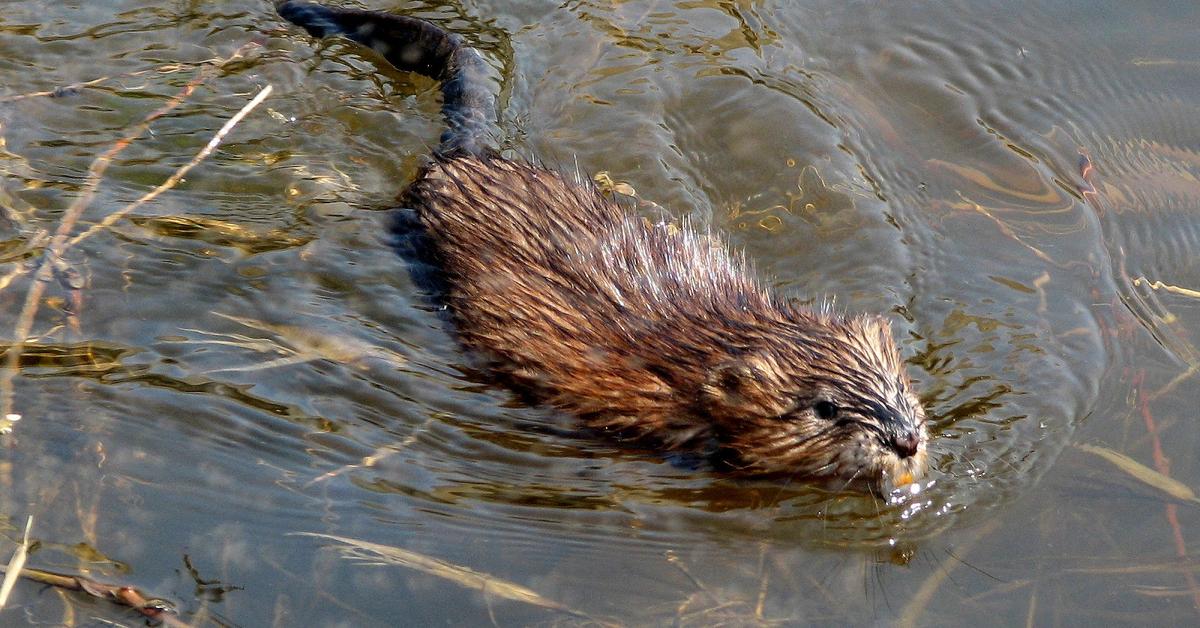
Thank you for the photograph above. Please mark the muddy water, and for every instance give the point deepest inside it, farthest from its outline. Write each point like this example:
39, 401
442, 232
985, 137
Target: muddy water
243, 361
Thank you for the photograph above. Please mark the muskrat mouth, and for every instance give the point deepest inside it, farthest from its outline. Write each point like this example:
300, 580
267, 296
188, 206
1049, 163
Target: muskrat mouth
865, 467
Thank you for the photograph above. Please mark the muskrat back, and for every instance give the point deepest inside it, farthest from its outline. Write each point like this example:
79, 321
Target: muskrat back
650, 332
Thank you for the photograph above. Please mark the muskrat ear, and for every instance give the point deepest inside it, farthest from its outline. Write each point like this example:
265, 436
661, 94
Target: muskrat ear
733, 376
740, 385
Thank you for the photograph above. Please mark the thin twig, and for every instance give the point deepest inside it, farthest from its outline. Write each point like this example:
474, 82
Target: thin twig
168, 68
1164, 467
15, 565
151, 608
62, 237
58, 244
174, 179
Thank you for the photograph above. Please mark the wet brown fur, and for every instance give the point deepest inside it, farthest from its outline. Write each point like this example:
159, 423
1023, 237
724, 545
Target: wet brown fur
649, 332
659, 333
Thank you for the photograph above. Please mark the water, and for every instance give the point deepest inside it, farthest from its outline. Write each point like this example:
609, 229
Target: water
244, 360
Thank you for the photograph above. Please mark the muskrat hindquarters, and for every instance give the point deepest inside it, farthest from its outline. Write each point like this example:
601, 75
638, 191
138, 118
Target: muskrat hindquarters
829, 403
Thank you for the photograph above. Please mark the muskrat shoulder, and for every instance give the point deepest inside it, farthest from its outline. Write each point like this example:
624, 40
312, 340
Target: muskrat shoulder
650, 332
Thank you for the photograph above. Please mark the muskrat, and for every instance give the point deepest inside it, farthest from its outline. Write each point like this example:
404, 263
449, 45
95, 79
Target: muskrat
650, 332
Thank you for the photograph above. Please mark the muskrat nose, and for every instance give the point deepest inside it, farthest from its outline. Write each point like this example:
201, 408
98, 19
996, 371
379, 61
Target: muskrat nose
905, 443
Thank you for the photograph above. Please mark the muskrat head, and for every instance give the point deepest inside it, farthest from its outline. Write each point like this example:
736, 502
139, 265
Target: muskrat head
820, 402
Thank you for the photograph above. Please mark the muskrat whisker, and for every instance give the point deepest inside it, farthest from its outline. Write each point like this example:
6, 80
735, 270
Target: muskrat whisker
850, 480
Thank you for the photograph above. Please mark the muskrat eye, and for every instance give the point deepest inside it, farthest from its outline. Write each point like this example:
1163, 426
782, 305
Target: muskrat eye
826, 410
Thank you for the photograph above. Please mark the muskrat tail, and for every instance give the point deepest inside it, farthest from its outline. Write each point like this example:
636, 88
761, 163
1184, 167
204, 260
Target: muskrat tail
414, 45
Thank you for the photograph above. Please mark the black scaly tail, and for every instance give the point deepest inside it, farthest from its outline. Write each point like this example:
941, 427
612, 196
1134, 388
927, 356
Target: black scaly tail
414, 45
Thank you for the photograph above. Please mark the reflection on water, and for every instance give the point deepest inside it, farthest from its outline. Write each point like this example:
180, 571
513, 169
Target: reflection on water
246, 357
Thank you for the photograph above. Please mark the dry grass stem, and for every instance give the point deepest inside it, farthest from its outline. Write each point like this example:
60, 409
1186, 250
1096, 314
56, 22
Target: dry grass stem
1165, 287
13, 571
299, 345
1170, 386
1144, 474
374, 553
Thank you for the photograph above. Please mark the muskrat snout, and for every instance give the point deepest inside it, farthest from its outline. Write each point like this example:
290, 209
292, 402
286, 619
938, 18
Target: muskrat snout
906, 443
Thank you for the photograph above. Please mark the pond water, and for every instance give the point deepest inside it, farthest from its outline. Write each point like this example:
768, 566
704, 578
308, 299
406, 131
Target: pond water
236, 398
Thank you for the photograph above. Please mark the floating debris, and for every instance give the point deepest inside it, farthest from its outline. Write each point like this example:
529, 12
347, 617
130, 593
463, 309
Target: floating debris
463, 576
302, 344
1144, 474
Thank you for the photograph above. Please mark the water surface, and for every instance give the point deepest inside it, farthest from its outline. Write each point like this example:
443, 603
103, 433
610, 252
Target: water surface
244, 361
